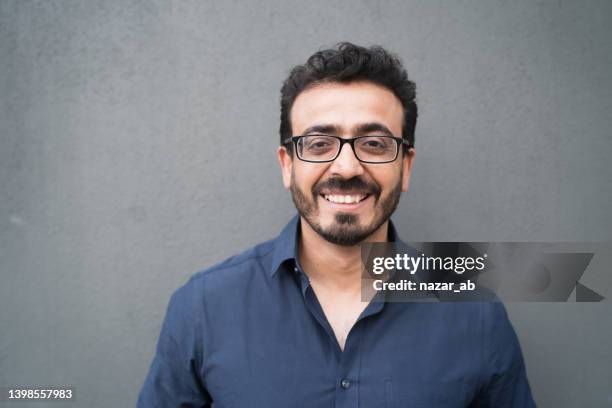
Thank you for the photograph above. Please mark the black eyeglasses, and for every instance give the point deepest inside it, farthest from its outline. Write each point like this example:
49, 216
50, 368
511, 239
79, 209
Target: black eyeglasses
367, 149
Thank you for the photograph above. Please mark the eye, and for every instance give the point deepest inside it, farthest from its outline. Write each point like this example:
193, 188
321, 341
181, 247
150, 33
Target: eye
318, 142
317, 146
373, 143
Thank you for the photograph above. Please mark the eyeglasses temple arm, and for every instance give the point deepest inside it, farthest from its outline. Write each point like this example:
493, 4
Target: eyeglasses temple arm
407, 143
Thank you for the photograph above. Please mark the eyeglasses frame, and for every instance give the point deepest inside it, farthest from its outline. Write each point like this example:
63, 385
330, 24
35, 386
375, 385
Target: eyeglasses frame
351, 142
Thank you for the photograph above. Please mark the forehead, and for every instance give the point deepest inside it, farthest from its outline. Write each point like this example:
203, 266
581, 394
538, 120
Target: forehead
346, 106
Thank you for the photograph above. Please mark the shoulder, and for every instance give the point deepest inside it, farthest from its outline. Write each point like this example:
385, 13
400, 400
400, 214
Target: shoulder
501, 344
229, 275
504, 376
245, 262
495, 317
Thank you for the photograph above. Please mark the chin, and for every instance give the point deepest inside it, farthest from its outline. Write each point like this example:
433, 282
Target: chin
342, 220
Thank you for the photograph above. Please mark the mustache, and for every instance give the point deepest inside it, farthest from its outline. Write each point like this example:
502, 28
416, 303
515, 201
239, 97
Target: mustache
353, 184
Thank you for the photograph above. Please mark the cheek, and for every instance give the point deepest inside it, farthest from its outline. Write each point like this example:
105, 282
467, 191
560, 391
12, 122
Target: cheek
306, 176
387, 179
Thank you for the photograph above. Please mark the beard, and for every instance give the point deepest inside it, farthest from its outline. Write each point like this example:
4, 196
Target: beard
346, 230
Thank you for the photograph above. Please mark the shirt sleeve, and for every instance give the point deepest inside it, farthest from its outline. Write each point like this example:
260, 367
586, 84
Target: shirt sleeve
174, 378
505, 382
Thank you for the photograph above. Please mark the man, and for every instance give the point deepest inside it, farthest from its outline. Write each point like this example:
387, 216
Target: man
283, 324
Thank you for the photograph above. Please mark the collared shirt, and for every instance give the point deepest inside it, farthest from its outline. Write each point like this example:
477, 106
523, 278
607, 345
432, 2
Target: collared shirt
250, 332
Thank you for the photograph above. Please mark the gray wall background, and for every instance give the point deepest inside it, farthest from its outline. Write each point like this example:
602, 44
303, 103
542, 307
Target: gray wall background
115, 187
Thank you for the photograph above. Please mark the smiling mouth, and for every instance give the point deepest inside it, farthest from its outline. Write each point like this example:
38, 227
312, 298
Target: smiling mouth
345, 198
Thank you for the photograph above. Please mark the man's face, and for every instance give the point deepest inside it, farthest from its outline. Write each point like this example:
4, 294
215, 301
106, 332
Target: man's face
345, 200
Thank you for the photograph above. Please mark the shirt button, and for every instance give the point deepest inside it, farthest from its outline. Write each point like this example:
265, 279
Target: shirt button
345, 384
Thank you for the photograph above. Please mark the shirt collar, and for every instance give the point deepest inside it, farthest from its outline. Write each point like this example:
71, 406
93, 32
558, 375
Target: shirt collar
286, 244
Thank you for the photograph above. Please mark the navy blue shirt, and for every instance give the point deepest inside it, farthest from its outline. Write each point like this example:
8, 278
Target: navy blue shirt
249, 332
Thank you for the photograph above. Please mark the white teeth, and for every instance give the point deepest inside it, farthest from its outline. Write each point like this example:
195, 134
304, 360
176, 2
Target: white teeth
344, 199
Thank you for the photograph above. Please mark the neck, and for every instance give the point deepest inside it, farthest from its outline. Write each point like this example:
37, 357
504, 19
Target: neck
332, 265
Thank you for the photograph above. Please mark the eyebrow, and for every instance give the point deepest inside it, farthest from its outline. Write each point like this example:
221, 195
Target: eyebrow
372, 127
323, 129
360, 129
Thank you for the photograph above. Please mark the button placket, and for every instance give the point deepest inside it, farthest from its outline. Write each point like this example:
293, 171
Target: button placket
347, 391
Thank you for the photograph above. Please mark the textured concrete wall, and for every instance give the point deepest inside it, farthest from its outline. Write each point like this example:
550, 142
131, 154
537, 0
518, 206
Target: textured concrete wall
137, 146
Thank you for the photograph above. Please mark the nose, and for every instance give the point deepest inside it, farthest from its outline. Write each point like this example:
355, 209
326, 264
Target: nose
346, 164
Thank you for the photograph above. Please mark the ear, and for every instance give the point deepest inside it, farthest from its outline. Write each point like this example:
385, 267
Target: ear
407, 160
286, 163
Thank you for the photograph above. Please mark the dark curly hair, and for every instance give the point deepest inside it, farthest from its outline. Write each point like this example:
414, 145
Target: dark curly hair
347, 63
